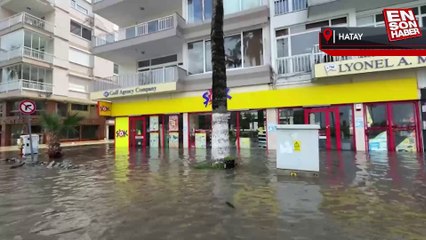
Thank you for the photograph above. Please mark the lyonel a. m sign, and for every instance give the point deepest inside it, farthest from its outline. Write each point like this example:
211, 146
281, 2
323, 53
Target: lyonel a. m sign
366, 65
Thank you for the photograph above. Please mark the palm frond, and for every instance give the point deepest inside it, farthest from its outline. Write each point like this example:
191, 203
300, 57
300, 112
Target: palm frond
50, 122
70, 122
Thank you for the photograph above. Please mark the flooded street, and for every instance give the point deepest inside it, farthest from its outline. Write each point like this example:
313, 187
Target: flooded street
156, 195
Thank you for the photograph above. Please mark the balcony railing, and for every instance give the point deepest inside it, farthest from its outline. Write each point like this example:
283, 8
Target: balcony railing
27, 19
26, 52
23, 84
287, 6
153, 26
294, 65
304, 63
322, 57
155, 76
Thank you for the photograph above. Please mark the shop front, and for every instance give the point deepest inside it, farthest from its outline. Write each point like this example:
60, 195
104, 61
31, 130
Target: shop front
337, 131
156, 131
379, 114
393, 126
246, 129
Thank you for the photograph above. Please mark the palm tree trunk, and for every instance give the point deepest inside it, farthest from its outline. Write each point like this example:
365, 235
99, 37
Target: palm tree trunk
54, 149
220, 129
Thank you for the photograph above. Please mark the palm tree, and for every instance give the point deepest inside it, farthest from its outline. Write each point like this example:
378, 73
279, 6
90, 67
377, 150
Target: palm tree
220, 128
55, 127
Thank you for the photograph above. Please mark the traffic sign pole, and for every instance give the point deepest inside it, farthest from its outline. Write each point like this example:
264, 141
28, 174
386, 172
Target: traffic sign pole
31, 137
28, 107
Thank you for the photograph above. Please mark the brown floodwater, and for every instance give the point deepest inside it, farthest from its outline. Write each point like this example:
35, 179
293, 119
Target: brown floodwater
157, 195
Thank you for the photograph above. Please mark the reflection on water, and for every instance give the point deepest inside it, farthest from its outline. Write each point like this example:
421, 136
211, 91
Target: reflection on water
156, 195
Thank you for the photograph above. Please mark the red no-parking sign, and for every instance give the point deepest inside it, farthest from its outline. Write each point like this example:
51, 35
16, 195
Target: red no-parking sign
27, 107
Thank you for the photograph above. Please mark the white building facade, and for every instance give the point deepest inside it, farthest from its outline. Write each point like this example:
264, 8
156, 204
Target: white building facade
276, 75
45, 56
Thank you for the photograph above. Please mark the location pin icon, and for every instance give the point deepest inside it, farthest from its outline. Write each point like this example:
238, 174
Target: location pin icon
327, 33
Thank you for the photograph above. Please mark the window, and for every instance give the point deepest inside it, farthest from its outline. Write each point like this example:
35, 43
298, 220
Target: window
27, 72
81, 30
253, 48
80, 57
242, 50
196, 57
233, 51
116, 68
62, 109
286, 6
79, 107
201, 10
296, 40
170, 60
377, 20
79, 7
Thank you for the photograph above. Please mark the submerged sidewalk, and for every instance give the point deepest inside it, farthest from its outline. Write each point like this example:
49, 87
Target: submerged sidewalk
64, 144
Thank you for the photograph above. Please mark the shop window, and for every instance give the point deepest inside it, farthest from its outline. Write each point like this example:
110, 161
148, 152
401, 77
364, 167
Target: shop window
89, 132
252, 129
347, 127
292, 116
200, 130
62, 109
79, 107
72, 134
376, 115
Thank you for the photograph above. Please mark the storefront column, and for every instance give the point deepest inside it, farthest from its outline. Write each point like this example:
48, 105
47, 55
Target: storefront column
359, 127
272, 122
185, 131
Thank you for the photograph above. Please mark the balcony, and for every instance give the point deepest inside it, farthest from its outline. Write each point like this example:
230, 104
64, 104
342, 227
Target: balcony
304, 63
157, 37
287, 6
153, 81
134, 11
25, 85
25, 52
143, 29
24, 19
38, 7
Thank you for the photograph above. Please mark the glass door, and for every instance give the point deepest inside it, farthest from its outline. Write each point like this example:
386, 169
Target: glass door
404, 127
392, 127
377, 130
329, 121
137, 133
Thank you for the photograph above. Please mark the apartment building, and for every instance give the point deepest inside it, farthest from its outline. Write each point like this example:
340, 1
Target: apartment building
276, 75
359, 103
45, 55
161, 96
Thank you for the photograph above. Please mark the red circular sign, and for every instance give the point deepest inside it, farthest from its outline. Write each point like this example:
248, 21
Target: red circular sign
27, 107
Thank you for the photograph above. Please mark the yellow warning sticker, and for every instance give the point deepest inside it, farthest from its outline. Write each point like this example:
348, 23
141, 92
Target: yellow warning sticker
297, 145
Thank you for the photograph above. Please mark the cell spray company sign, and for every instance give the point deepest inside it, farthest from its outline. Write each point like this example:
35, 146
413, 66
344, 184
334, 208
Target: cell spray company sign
367, 65
134, 91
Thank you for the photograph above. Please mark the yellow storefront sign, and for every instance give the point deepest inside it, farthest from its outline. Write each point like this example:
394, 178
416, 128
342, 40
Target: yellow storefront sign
134, 91
367, 65
122, 132
104, 108
343, 93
